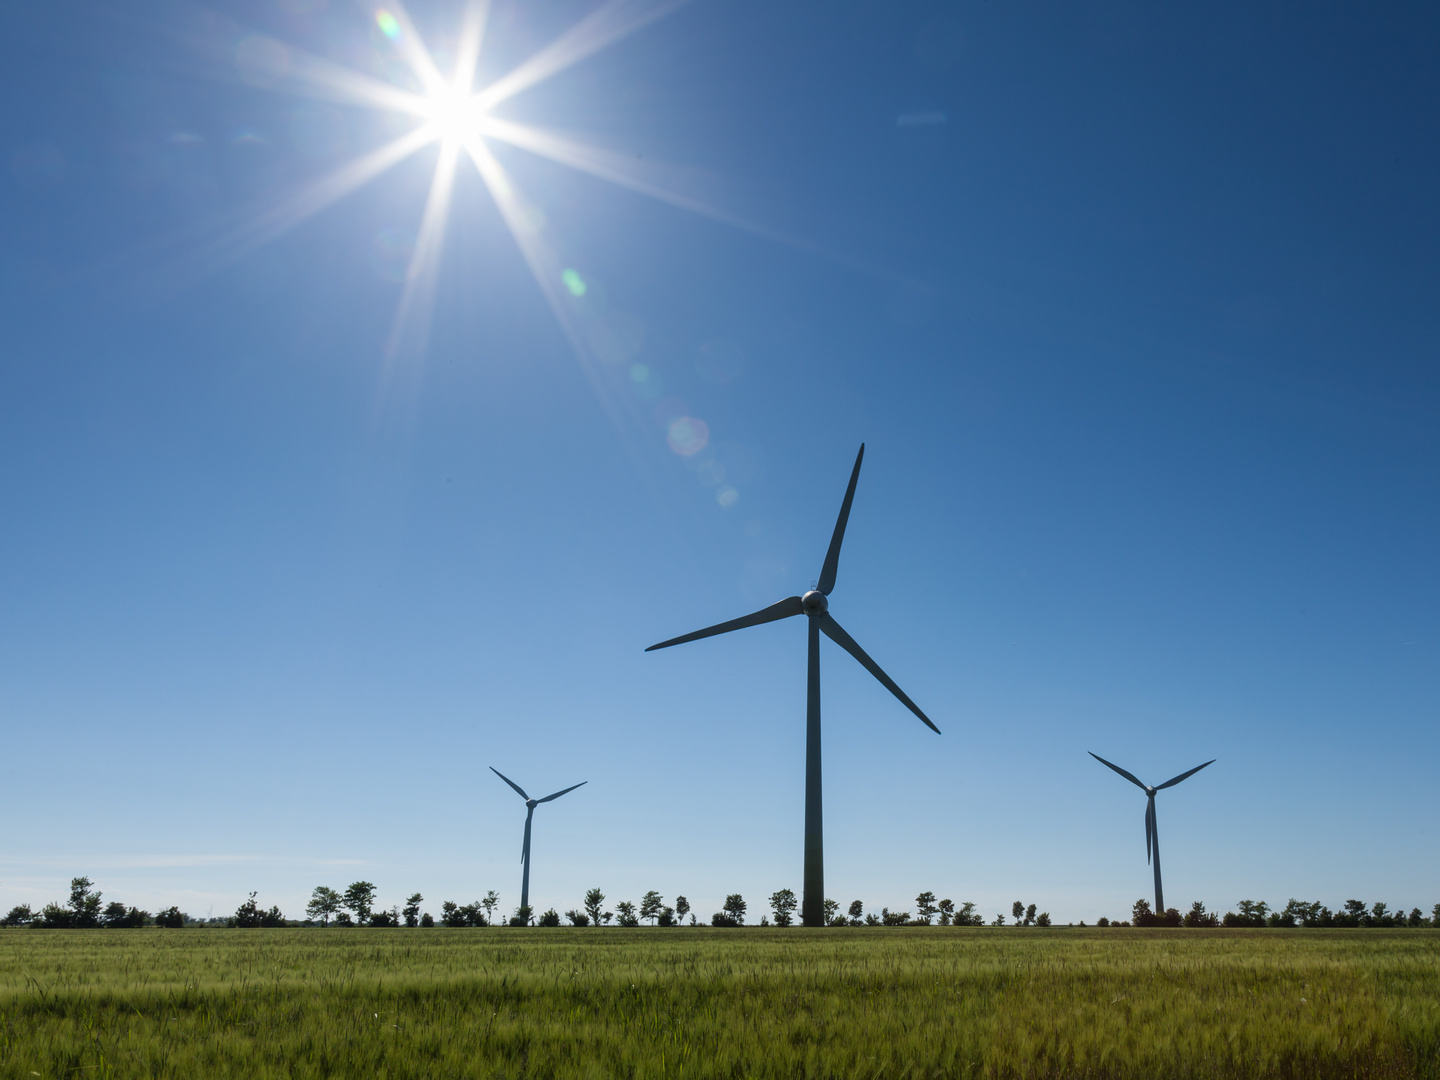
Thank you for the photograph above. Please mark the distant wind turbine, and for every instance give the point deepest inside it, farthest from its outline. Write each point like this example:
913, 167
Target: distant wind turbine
1152, 830
814, 604
530, 805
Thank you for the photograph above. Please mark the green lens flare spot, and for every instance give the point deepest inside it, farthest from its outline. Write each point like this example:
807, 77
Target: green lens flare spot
574, 282
389, 25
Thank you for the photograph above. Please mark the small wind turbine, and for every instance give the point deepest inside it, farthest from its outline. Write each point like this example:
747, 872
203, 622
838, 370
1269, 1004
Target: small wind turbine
1152, 830
816, 605
530, 805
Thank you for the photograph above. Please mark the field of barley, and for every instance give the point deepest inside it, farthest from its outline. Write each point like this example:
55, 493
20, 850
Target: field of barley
908, 1002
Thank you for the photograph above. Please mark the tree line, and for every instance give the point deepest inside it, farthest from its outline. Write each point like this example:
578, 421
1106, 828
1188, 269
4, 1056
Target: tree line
356, 906
1303, 913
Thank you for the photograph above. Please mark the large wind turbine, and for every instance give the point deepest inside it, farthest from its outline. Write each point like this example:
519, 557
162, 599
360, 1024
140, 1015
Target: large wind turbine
814, 604
530, 805
1152, 830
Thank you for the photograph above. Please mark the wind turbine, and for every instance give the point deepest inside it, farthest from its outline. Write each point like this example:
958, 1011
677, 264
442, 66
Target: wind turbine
1152, 830
530, 805
816, 605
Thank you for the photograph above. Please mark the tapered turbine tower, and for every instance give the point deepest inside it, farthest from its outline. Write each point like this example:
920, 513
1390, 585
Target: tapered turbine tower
1152, 831
530, 805
815, 605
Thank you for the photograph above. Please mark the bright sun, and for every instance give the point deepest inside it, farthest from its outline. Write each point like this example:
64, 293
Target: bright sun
453, 114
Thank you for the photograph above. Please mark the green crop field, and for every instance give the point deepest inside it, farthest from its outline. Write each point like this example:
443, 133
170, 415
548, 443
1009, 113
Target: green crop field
936, 1002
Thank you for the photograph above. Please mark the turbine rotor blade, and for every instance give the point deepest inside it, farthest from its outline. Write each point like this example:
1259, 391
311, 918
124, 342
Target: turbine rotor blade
832, 557
1183, 775
525, 844
837, 634
512, 783
557, 794
791, 605
1122, 772
1149, 826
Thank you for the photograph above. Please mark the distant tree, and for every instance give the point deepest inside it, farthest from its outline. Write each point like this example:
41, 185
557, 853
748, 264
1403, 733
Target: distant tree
451, 915
608, 916
857, 912
171, 918
682, 906
593, 901
720, 918
783, 904
1353, 915
248, 915
324, 903
925, 906
1141, 913
412, 910
1251, 913
627, 913
344, 919
1380, 916
832, 914
1043, 919
893, 918
550, 917
667, 916
966, 915
522, 916
1102, 921
84, 904
427, 921
577, 918
947, 911
651, 905
386, 918
490, 903
1435, 916
1017, 911
1197, 916
20, 915
999, 920
1416, 919
1030, 915
734, 906
359, 898
118, 916
871, 919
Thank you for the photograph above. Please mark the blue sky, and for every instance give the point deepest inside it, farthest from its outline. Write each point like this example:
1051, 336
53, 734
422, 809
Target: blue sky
1134, 309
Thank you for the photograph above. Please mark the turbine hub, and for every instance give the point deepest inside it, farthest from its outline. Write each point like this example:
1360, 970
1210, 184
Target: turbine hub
815, 602
1149, 790
531, 803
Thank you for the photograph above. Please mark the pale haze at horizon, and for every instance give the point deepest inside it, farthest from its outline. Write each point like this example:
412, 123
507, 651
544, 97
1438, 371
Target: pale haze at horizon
1134, 311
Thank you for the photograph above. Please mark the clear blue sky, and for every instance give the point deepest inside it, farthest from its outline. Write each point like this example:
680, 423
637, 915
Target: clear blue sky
1134, 307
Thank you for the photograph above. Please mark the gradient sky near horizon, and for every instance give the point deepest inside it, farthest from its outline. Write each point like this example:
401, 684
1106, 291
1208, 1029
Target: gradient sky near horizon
1133, 306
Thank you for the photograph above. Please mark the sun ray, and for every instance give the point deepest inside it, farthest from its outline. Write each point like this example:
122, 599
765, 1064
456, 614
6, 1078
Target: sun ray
608, 24
472, 35
335, 82
616, 169
544, 268
410, 330
412, 48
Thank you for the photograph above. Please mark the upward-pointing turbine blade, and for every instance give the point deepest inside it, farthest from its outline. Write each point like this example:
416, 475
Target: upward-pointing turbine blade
791, 605
1183, 775
1122, 772
832, 557
557, 794
512, 783
837, 634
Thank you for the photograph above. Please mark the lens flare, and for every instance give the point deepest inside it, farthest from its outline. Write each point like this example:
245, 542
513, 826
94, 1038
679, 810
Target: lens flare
574, 282
388, 24
688, 436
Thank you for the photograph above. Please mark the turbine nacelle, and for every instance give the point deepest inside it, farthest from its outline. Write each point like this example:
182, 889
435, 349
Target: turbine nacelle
815, 602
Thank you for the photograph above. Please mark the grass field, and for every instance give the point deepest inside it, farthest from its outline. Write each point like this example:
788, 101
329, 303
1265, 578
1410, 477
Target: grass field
710, 1003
